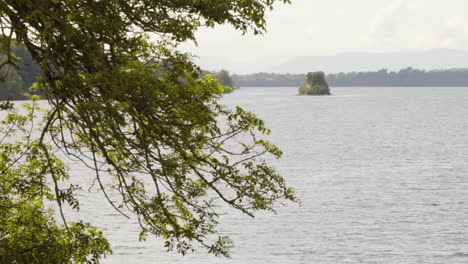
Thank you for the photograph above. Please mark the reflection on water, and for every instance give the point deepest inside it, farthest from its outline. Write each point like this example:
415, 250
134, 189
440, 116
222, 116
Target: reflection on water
382, 174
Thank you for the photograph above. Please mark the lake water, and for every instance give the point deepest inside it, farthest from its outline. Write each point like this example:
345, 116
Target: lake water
382, 174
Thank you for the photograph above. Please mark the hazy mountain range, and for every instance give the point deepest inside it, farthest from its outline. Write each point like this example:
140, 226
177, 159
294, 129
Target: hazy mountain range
343, 62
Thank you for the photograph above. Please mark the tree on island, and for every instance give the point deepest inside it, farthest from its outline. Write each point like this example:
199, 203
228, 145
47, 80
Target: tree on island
136, 111
315, 85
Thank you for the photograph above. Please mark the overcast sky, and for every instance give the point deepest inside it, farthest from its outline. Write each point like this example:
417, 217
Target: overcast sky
325, 27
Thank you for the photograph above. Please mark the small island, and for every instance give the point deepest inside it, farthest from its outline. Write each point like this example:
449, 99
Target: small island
316, 85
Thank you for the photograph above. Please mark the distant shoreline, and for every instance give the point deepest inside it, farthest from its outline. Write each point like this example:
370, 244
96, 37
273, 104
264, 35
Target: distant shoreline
408, 77
359, 86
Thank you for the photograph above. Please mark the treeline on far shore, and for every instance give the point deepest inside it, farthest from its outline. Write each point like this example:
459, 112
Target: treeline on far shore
408, 77
17, 78
15, 81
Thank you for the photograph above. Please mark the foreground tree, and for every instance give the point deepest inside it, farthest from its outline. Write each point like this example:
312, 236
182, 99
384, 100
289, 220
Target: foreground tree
124, 102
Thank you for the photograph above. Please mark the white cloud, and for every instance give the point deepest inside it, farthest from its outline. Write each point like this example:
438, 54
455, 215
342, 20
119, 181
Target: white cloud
454, 33
385, 21
326, 27
386, 25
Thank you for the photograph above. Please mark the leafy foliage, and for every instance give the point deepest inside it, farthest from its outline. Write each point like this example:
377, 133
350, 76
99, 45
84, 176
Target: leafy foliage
226, 80
136, 111
28, 232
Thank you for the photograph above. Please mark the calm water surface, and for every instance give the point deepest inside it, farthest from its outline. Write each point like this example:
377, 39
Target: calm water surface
382, 174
